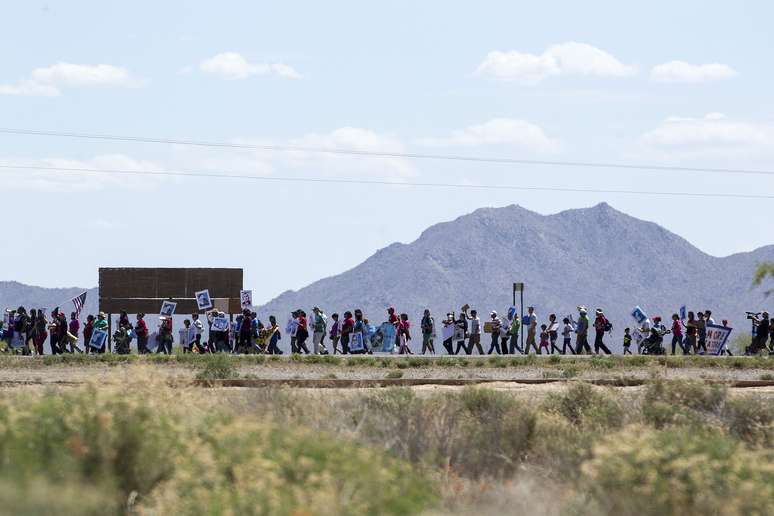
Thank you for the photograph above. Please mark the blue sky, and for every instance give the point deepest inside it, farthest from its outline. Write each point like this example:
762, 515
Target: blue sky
666, 83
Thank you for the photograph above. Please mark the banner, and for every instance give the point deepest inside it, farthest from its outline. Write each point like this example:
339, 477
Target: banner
246, 299
717, 337
639, 315
384, 338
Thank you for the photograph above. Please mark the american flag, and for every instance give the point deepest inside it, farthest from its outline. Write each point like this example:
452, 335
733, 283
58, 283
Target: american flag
79, 301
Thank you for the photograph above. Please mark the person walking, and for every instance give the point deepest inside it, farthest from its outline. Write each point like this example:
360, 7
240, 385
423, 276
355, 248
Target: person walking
701, 330
461, 333
428, 332
88, 331
677, 335
582, 332
531, 323
334, 332
404, 335
448, 343
601, 325
495, 327
164, 335
41, 333
347, 327
302, 333
100, 324
273, 337
199, 331
691, 332
141, 332
318, 327
513, 330
291, 328
567, 330
553, 333
627, 342
74, 328
475, 333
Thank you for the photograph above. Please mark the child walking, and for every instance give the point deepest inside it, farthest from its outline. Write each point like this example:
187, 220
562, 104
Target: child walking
543, 339
404, 335
627, 342
567, 331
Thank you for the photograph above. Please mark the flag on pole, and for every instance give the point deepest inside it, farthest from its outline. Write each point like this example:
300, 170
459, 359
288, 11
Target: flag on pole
78, 302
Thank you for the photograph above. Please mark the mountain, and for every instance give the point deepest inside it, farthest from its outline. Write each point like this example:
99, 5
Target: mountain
595, 256
14, 294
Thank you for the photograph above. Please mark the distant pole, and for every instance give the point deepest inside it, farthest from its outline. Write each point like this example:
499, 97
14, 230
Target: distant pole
520, 288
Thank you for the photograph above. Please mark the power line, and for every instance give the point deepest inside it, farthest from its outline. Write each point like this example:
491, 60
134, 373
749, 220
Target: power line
382, 154
380, 182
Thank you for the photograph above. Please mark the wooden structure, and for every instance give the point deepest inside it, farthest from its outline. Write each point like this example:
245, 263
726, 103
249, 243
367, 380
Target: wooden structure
142, 290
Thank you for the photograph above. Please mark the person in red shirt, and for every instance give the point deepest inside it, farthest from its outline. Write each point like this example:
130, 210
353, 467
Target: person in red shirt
141, 331
601, 325
347, 326
677, 334
302, 333
88, 330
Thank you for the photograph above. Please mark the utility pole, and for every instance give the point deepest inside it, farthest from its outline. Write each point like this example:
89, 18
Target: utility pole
519, 287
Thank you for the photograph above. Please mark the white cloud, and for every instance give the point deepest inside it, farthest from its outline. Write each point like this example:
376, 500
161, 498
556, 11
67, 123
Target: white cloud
713, 134
350, 138
233, 66
680, 71
72, 180
50, 80
498, 131
569, 58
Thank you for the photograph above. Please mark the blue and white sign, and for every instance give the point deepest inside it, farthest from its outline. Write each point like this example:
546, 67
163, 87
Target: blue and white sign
220, 324
356, 342
683, 313
717, 338
639, 315
384, 339
98, 339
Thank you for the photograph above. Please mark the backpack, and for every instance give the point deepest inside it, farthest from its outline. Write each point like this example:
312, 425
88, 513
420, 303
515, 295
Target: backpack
608, 326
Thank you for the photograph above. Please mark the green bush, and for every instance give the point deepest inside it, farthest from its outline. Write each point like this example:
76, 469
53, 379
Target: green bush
218, 366
681, 401
750, 419
584, 405
645, 472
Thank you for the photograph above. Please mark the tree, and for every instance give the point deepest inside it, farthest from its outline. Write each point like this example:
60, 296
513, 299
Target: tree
764, 270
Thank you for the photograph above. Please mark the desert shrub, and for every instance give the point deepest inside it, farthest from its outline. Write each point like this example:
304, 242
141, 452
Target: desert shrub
263, 469
554, 359
681, 401
582, 404
394, 374
475, 432
560, 447
116, 445
665, 472
750, 419
38, 496
218, 366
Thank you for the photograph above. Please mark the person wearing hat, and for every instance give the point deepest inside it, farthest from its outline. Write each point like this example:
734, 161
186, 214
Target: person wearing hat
495, 323
762, 327
475, 333
582, 332
100, 324
601, 325
165, 335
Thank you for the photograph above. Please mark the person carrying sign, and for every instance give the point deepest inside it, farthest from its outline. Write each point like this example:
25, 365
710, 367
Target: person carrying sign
582, 332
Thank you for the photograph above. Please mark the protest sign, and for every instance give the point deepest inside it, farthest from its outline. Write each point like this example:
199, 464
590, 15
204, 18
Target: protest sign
356, 342
448, 331
220, 323
384, 338
683, 313
246, 298
98, 339
153, 342
167, 308
187, 336
639, 315
717, 337
203, 299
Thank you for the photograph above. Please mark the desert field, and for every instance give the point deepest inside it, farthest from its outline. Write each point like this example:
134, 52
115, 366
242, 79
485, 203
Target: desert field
219, 434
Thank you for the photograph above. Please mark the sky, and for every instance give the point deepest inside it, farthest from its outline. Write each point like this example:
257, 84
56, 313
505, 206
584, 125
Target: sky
684, 84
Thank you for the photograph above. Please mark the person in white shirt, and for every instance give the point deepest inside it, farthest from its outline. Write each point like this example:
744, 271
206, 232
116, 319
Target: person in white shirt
531, 331
475, 333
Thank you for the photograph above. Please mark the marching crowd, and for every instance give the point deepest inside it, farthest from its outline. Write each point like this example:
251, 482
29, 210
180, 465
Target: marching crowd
352, 333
